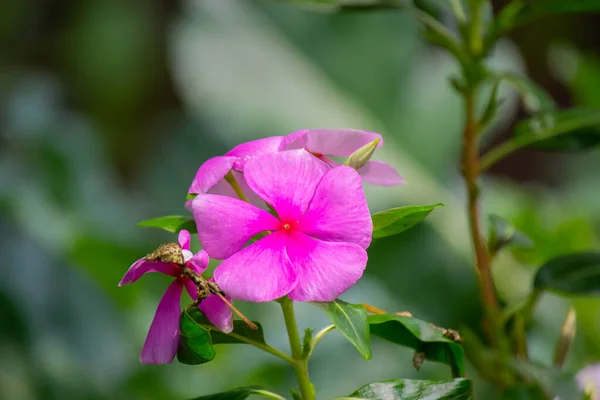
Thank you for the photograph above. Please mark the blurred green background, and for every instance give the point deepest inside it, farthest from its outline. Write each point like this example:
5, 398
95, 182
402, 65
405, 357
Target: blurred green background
107, 109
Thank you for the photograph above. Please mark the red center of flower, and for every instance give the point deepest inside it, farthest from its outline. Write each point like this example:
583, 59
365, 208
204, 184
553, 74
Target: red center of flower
287, 226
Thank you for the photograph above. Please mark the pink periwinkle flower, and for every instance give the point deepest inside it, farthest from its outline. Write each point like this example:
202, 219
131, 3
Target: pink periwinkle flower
210, 178
314, 249
324, 143
162, 340
588, 381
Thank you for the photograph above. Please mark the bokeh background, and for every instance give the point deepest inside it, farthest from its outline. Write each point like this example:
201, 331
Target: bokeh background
107, 109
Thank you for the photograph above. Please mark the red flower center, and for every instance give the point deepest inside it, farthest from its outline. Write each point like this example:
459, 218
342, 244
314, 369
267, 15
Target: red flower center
287, 226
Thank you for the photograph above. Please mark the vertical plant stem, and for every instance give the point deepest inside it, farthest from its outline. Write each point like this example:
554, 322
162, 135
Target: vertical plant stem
470, 172
300, 364
470, 168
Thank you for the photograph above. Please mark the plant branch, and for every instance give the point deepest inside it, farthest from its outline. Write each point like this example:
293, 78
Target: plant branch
263, 347
300, 362
470, 170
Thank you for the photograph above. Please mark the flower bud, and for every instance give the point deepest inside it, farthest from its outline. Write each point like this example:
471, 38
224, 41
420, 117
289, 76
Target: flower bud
360, 157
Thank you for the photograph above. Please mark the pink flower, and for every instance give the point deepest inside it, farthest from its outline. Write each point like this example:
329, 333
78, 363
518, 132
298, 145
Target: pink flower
316, 248
588, 381
324, 143
210, 176
163, 337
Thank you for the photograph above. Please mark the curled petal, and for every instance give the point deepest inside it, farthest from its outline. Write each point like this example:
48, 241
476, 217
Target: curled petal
294, 141
226, 224
163, 337
254, 148
338, 142
210, 173
198, 262
184, 239
325, 269
143, 266
260, 272
380, 173
338, 211
285, 180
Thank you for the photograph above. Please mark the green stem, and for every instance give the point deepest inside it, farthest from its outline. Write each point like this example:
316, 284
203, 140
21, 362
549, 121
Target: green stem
236, 187
300, 363
476, 37
264, 347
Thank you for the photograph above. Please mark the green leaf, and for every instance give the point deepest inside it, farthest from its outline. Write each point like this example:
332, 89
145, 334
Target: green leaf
569, 130
351, 321
239, 328
240, 393
502, 233
519, 12
571, 274
413, 389
195, 344
171, 223
395, 220
421, 336
535, 98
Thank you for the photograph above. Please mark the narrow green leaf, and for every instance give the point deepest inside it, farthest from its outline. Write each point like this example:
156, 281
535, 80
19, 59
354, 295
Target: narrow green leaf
351, 321
395, 220
413, 389
218, 337
519, 12
195, 345
240, 393
502, 234
569, 130
577, 274
535, 98
171, 223
421, 336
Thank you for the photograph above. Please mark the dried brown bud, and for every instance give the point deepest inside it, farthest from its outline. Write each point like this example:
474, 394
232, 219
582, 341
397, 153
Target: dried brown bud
418, 360
404, 314
168, 252
452, 335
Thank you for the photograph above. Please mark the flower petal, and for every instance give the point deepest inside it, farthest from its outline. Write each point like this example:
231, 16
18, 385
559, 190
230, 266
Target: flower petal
286, 180
184, 239
338, 142
339, 212
325, 269
293, 141
210, 173
380, 173
199, 261
260, 272
226, 224
143, 266
163, 337
254, 148
213, 308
